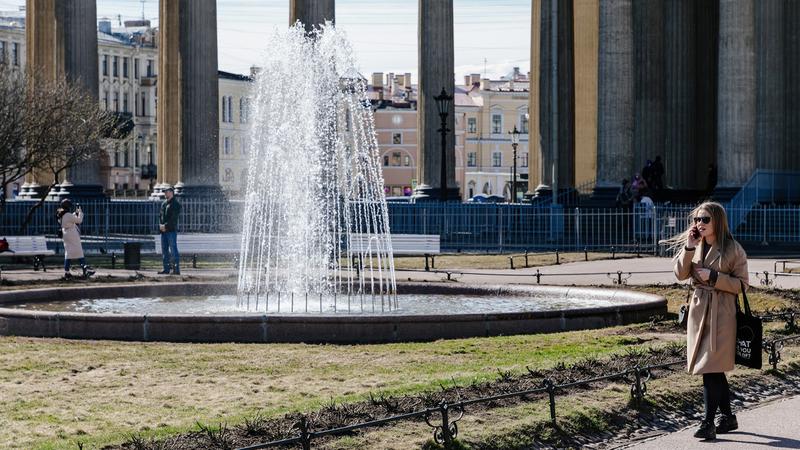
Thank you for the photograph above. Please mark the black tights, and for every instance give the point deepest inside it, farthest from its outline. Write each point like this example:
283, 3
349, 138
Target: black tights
716, 394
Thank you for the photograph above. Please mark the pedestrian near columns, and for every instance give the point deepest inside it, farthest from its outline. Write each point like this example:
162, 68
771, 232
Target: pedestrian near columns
70, 217
168, 225
717, 267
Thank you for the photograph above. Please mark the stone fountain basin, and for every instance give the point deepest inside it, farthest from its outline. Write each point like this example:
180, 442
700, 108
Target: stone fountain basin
621, 307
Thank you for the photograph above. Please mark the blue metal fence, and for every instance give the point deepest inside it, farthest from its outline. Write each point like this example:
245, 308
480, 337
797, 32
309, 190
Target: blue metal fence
462, 227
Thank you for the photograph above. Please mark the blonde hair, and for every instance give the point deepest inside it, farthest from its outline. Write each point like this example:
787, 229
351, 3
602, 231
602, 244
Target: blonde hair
721, 229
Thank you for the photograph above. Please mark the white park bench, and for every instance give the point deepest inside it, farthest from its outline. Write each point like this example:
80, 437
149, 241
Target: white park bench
205, 244
24, 246
427, 245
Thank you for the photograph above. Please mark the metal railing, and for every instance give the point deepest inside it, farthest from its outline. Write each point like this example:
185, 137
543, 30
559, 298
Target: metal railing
763, 187
462, 227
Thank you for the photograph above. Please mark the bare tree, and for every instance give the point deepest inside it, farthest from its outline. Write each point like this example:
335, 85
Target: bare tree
15, 162
64, 126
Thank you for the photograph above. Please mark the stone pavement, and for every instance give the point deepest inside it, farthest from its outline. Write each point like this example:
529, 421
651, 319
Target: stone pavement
775, 424
647, 270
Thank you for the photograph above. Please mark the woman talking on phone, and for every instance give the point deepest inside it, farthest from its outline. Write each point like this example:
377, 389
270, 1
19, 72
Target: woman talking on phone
717, 266
70, 217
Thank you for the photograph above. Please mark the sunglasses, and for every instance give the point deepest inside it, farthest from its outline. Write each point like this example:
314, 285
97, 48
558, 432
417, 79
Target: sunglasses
706, 220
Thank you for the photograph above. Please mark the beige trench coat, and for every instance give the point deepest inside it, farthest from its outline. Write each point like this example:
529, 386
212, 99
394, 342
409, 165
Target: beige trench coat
711, 328
72, 235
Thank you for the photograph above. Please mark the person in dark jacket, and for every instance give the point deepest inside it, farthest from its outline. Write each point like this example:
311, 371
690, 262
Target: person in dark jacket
168, 225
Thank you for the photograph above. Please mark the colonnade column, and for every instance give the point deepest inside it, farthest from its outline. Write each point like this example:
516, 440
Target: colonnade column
736, 95
61, 41
436, 60
557, 97
770, 95
188, 92
679, 65
649, 62
615, 97
534, 133
312, 12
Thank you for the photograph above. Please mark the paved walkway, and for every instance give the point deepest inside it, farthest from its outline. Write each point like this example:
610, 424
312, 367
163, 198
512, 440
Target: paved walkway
648, 270
775, 424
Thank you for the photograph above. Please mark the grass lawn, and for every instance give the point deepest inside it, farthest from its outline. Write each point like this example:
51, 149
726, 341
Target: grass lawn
57, 393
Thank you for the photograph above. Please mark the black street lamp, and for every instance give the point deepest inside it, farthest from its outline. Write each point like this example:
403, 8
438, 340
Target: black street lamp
514, 143
443, 102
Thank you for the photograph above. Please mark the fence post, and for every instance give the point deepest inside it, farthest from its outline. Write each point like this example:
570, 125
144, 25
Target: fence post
113, 260
586, 253
427, 266
551, 393
613, 253
305, 436
557, 257
447, 436
764, 225
511, 262
526, 259
538, 276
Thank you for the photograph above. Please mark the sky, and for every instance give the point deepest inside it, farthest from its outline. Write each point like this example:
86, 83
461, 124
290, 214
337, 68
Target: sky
491, 36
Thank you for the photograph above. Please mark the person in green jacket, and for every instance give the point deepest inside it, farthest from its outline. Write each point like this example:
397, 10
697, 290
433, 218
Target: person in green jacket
168, 225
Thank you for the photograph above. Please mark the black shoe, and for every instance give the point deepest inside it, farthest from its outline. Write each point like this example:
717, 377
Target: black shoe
164, 272
727, 424
706, 430
176, 272
87, 272
67, 276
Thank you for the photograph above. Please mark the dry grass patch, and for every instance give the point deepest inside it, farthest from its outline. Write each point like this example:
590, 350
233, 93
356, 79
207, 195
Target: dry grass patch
57, 392
497, 261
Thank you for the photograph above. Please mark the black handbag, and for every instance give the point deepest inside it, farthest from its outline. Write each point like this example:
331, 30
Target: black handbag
749, 333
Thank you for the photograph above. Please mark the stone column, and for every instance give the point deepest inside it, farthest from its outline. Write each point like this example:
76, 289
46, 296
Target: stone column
534, 133
81, 66
435, 45
585, 29
679, 77
557, 100
706, 52
792, 84
188, 96
737, 95
649, 104
615, 98
312, 12
770, 95
61, 41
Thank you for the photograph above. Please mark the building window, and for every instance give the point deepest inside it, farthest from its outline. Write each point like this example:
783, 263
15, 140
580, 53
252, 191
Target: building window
228, 175
116, 156
472, 160
137, 160
525, 159
125, 155
105, 65
244, 106
397, 138
150, 65
497, 123
497, 159
385, 160
396, 159
472, 125
523, 123
226, 148
116, 101
143, 111
471, 189
407, 161
243, 142
136, 68
2, 52
125, 102
115, 67
15, 54
224, 110
105, 99
124, 67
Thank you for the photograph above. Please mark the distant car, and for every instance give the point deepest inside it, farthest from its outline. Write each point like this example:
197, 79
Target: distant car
484, 198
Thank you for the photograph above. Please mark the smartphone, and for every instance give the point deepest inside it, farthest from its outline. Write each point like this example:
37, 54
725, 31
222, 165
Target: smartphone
695, 233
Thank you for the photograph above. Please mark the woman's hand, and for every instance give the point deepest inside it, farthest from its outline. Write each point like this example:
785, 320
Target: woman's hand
694, 238
703, 274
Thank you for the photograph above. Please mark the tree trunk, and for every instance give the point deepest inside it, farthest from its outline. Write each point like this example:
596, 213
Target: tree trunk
38, 205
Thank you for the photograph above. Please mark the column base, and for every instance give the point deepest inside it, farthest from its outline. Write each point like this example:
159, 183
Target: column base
211, 192
425, 193
77, 191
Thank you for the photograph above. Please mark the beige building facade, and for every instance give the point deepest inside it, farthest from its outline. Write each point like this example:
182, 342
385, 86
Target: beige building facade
234, 126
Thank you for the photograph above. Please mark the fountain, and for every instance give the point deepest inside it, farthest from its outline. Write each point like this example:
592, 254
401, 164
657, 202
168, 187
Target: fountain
315, 222
316, 259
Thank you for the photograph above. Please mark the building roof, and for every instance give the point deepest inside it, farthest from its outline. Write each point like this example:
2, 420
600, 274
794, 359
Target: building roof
232, 76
